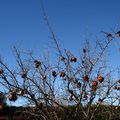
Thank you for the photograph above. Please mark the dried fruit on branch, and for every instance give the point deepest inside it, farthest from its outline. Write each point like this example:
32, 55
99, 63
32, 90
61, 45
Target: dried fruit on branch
1, 71
21, 92
62, 74
86, 78
12, 97
54, 73
37, 63
73, 59
100, 79
94, 83
93, 88
24, 75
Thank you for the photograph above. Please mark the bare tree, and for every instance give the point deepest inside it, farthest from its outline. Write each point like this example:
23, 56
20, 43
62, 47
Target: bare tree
81, 81
49, 88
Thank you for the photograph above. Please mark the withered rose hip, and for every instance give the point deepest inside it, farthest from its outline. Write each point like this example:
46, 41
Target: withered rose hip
100, 79
54, 73
86, 78
1, 71
62, 74
73, 59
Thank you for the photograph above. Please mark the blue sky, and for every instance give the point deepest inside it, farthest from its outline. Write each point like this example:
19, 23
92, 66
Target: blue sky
22, 24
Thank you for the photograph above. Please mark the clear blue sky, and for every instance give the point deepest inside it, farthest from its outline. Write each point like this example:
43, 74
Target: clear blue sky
22, 24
